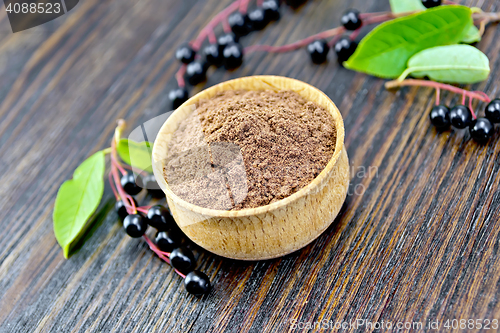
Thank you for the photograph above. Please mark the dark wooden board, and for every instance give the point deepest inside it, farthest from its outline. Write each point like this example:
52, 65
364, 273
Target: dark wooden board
417, 240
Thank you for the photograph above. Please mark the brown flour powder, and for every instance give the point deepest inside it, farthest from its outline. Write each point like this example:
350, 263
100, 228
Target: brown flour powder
245, 149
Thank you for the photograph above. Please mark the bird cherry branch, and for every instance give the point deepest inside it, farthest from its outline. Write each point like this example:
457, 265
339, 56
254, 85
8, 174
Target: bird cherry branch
479, 95
162, 255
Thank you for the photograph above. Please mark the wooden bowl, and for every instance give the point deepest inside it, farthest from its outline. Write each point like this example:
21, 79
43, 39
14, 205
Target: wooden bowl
268, 231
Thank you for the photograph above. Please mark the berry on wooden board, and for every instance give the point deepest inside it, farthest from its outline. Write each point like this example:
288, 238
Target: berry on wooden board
129, 185
440, 116
225, 40
159, 217
318, 51
178, 96
168, 240
182, 259
492, 111
197, 283
271, 10
431, 3
481, 130
344, 48
196, 72
233, 56
121, 209
460, 116
134, 225
257, 19
239, 23
213, 54
351, 20
185, 54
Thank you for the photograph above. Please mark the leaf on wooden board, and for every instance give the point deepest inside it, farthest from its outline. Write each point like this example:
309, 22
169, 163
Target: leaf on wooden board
472, 34
136, 154
77, 199
451, 64
385, 51
401, 6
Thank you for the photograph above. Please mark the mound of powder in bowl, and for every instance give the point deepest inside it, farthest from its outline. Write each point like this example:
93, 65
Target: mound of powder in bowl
246, 149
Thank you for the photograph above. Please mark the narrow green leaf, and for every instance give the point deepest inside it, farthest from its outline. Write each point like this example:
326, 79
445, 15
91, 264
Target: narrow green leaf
472, 34
385, 51
136, 154
450, 64
401, 6
77, 199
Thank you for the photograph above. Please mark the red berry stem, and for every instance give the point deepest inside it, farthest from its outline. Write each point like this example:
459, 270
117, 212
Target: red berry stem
243, 6
110, 176
162, 255
479, 95
424, 83
179, 76
438, 96
297, 45
142, 209
219, 18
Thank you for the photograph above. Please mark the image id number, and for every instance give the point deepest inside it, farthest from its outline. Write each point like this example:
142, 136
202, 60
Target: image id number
40, 8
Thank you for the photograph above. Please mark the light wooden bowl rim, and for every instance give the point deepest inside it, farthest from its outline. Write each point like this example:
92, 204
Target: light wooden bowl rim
240, 83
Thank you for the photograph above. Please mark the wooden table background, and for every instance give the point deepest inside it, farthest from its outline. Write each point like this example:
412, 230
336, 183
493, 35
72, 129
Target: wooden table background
417, 240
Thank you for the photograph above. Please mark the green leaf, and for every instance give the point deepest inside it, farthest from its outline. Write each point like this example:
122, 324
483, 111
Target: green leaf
77, 199
136, 154
385, 51
472, 34
451, 64
401, 6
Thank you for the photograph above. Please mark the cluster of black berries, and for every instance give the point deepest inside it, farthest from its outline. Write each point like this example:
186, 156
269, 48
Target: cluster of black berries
460, 116
169, 237
344, 47
227, 52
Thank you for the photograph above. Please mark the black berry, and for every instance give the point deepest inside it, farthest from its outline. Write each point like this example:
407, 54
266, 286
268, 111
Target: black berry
225, 40
233, 56
239, 24
129, 185
492, 111
178, 96
271, 10
257, 19
196, 72
197, 283
149, 182
431, 3
318, 50
168, 240
481, 130
460, 116
351, 20
182, 259
159, 217
185, 54
134, 225
344, 48
121, 209
440, 116
213, 55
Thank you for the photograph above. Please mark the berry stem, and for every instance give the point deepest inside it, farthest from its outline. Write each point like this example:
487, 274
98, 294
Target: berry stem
162, 255
110, 176
243, 7
142, 209
219, 18
179, 76
471, 108
438, 96
297, 45
424, 83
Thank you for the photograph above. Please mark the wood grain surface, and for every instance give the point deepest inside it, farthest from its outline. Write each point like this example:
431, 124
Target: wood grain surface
417, 240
